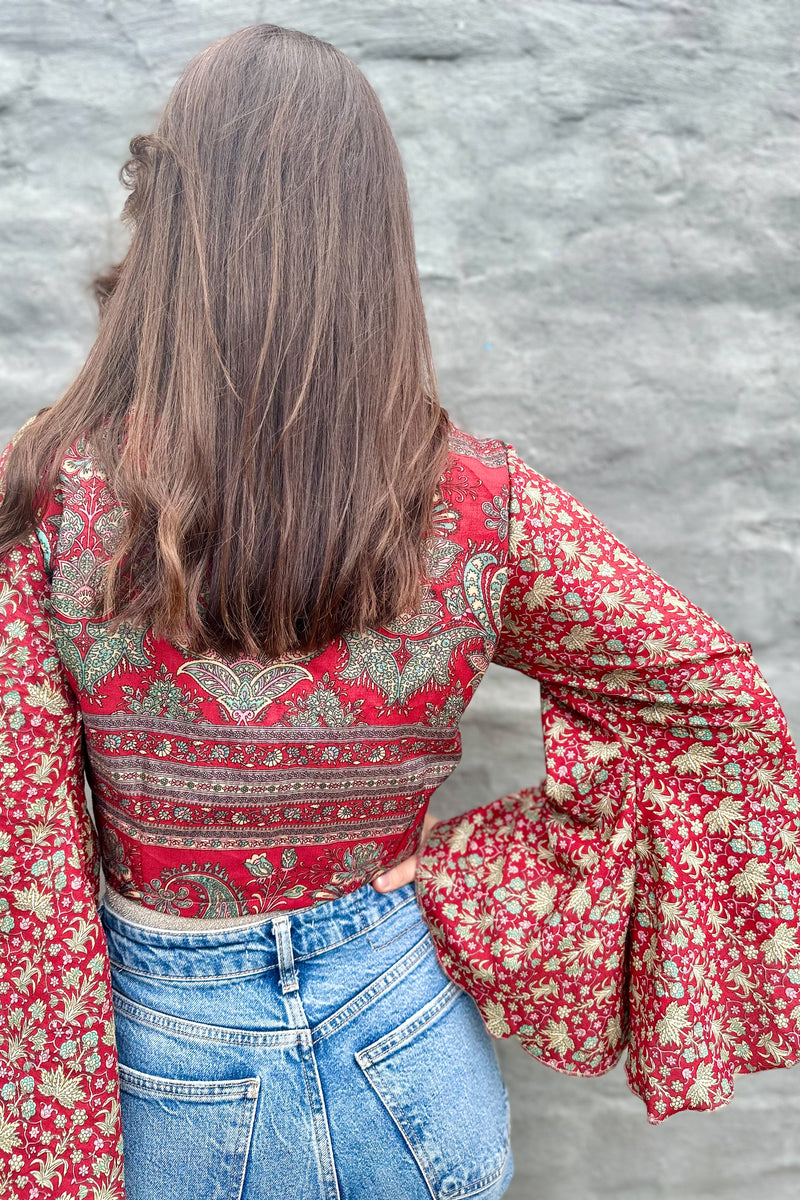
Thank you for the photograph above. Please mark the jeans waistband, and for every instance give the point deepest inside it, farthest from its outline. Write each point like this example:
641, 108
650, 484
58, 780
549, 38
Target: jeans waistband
144, 917
253, 947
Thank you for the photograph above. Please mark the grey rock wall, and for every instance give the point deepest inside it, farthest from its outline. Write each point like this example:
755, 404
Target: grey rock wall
607, 207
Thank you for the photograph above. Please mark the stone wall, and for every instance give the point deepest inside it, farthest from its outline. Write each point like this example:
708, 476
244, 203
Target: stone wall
606, 199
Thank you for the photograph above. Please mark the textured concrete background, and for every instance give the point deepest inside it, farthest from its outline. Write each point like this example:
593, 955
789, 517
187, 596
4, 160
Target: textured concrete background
607, 199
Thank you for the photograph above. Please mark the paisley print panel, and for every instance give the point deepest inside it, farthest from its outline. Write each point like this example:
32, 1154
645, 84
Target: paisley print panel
222, 757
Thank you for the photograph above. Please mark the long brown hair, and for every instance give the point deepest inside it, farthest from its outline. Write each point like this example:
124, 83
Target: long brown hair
261, 392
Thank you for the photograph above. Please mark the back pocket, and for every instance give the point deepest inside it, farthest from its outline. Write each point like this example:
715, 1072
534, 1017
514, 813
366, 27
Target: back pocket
184, 1138
437, 1075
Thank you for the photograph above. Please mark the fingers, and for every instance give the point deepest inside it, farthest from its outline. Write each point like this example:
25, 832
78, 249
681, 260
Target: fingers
427, 825
403, 873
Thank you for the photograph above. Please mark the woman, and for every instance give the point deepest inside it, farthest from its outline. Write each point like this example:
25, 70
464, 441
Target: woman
252, 577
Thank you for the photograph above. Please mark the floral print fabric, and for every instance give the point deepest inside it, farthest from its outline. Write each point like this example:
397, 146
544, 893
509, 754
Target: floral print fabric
643, 897
60, 1132
646, 896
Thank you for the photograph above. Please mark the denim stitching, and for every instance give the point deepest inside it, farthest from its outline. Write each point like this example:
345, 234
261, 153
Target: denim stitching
334, 945
282, 932
323, 1148
141, 974
372, 1056
143, 1015
404, 1033
402, 933
198, 1089
374, 991
201, 1092
244, 1143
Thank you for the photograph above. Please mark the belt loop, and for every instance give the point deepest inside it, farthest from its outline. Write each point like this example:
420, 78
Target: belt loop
282, 930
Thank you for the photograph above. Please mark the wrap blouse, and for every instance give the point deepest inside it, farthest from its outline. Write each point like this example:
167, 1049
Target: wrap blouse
644, 897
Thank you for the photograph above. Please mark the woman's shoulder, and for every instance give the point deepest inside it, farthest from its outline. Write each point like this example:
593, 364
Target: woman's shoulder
475, 465
471, 508
487, 453
74, 495
78, 460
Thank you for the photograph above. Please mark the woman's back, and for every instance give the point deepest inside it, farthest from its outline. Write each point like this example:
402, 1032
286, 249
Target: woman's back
225, 786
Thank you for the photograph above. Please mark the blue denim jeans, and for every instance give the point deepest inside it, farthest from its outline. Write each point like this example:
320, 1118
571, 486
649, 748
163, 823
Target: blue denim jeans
316, 1055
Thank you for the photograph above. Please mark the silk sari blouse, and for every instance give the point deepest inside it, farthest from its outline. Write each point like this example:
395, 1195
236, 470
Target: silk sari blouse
645, 896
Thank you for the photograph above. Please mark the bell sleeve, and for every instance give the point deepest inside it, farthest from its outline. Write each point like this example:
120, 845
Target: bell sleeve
645, 897
60, 1131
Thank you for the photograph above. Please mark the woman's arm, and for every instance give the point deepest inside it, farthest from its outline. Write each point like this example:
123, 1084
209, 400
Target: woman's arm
60, 1132
647, 894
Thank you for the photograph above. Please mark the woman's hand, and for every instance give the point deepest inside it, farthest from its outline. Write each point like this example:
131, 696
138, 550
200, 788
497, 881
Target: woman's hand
405, 871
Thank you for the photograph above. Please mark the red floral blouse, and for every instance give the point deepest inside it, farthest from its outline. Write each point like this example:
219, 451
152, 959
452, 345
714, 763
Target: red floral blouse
645, 896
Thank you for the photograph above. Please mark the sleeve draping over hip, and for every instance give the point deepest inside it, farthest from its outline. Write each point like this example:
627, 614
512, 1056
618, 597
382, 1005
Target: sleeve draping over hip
60, 1131
646, 895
